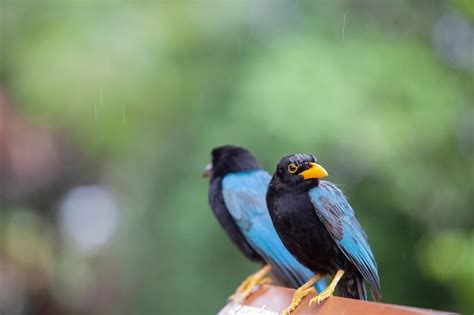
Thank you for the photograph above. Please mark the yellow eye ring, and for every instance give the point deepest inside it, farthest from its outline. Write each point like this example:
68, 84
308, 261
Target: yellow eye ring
292, 168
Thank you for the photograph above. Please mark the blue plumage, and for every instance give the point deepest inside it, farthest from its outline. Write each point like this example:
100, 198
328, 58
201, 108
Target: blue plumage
337, 216
244, 196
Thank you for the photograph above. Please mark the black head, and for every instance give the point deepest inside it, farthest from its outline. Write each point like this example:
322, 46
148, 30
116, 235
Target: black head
230, 159
299, 170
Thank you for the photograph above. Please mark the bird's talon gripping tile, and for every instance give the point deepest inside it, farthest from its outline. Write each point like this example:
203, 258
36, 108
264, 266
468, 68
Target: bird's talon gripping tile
266, 280
321, 297
249, 285
245, 284
301, 293
237, 296
298, 296
329, 290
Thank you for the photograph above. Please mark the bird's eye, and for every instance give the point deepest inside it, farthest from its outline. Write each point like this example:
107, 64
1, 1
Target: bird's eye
292, 168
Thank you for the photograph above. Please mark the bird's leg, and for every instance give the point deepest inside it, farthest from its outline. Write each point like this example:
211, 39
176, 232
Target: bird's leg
329, 290
249, 284
301, 293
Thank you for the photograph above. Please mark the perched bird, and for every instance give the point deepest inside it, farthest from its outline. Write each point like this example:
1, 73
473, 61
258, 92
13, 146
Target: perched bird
237, 190
318, 226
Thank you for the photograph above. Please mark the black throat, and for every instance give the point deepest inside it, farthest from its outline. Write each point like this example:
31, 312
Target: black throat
278, 185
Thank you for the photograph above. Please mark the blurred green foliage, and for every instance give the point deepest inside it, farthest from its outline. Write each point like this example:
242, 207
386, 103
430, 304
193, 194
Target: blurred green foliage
147, 90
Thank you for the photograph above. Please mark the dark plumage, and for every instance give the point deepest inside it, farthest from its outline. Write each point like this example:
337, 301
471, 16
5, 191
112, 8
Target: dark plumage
225, 160
318, 226
237, 193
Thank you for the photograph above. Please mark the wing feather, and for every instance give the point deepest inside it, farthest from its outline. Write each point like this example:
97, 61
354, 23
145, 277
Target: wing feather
338, 217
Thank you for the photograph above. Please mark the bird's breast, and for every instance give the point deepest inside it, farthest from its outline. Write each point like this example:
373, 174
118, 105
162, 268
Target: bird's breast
302, 232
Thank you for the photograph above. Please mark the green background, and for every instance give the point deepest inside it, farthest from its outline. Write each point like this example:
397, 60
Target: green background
144, 91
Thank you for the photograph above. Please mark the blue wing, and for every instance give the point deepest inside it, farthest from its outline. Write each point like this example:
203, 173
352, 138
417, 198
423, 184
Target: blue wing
336, 214
244, 196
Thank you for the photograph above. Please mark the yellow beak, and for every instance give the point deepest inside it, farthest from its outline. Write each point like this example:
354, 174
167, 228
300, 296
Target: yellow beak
315, 171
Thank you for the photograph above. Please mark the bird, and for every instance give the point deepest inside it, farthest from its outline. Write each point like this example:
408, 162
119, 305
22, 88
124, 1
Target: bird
318, 226
237, 190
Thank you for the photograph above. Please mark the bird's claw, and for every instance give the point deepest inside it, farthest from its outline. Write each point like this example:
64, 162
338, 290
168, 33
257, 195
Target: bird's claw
248, 287
318, 299
266, 280
298, 296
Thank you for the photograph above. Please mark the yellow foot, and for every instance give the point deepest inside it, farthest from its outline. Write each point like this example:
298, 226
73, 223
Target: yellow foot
298, 296
321, 296
329, 290
301, 293
249, 285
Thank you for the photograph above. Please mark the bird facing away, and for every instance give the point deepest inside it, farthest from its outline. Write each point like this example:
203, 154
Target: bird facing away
237, 190
318, 226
